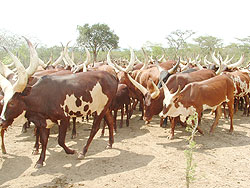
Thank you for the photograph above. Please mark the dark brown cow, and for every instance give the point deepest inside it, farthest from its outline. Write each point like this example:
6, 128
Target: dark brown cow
54, 99
198, 96
121, 99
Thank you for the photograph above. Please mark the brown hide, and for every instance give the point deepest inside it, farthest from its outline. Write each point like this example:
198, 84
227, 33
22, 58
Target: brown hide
144, 77
46, 98
154, 106
212, 92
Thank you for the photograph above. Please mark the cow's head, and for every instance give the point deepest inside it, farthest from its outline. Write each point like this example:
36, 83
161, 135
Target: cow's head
170, 101
152, 100
165, 74
13, 104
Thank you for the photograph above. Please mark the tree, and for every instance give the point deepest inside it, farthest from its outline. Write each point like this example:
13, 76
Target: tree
97, 37
178, 39
208, 43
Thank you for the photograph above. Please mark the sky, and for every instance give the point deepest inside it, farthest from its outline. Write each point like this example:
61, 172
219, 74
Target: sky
134, 21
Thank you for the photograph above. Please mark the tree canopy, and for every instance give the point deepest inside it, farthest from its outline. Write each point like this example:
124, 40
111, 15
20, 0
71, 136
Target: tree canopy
97, 37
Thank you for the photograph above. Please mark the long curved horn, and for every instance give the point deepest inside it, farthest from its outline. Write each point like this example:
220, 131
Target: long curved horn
84, 64
88, 57
183, 62
161, 58
138, 85
41, 62
132, 61
22, 80
68, 59
158, 66
8, 93
34, 59
4, 70
49, 61
114, 65
59, 59
156, 91
137, 60
238, 63
173, 69
216, 60
206, 62
226, 61
146, 61
219, 69
165, 89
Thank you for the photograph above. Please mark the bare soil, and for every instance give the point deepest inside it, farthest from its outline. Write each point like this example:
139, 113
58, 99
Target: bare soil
142, 156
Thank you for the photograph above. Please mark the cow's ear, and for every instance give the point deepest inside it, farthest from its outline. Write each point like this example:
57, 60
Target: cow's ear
26, 91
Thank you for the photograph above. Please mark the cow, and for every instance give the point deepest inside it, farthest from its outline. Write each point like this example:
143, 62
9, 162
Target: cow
121, 99
198, 96
144, 77
54, 99
153, 102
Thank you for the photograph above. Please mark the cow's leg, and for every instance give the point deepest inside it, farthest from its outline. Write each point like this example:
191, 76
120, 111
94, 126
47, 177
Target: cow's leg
130, 110
127, 114
94, 129
135, 102
36, 146
199, 123
164, 122
62, 134
110, 121
3, 146
25, 126
173, 121
122, 113
231, 113
44, 135
115, 119
142, 109
245, 113
236, 104
217, 117
73, 134
103, 128
241, 102
224, 110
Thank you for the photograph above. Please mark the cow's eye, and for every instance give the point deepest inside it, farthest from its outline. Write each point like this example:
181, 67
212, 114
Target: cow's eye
11, 104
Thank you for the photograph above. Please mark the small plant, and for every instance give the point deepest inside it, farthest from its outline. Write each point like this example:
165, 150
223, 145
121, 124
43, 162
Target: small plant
192, 123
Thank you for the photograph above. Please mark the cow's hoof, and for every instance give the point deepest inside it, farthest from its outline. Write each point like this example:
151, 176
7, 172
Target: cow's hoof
109, 147
35, 152
170, 137
24, 130
37, 166
81, 156
4, 151
73, 136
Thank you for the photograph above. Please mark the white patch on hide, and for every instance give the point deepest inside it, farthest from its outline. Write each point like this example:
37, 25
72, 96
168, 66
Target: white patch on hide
180, 111
20, 120
244, 86
99, 100
49, 123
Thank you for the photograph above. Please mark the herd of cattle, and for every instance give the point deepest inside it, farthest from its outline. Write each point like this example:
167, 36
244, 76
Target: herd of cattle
48, 94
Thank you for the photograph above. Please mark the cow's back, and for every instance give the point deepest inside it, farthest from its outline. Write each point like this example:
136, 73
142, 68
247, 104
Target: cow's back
75, 94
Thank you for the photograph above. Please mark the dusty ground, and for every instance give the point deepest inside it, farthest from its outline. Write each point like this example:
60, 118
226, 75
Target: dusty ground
142, 156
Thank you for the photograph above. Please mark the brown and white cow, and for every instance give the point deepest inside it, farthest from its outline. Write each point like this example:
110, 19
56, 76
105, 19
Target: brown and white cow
54, 99
198, 96
153, 102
